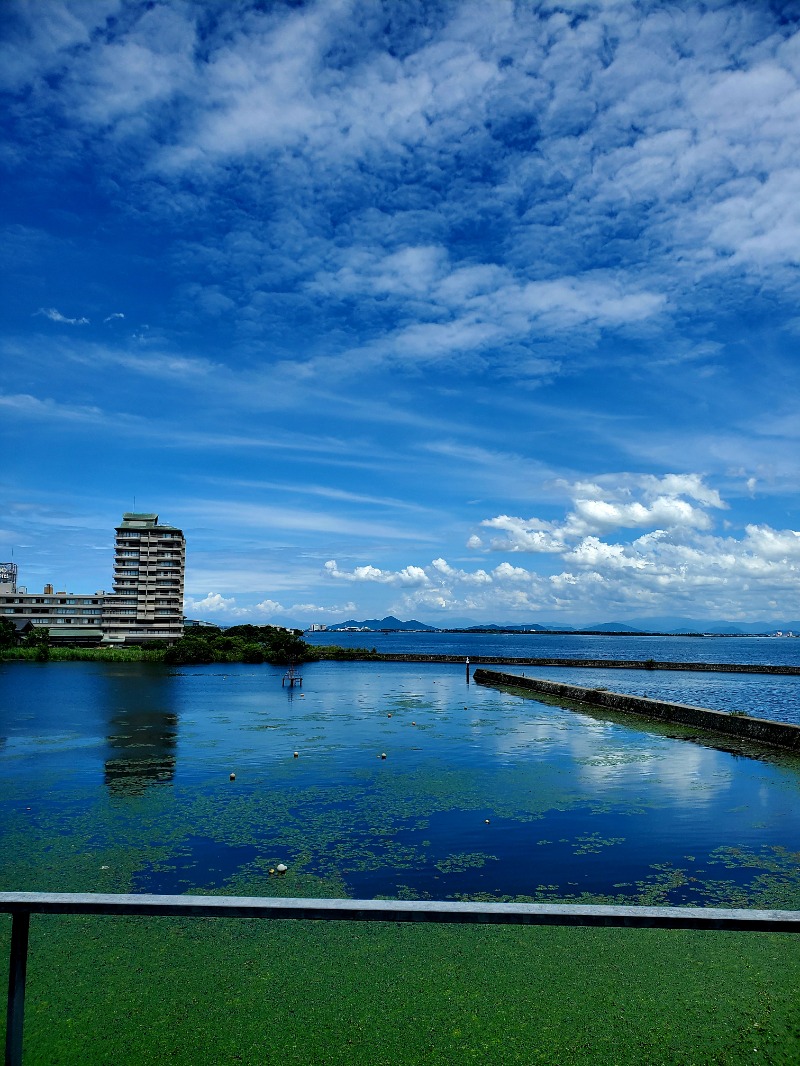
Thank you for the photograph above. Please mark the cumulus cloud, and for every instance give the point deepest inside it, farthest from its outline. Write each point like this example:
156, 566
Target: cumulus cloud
268, 607
524, 535
677, 563
212, 603
606, 505
409, 575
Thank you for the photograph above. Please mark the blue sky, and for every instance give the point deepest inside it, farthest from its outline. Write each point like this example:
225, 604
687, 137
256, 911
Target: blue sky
447, 310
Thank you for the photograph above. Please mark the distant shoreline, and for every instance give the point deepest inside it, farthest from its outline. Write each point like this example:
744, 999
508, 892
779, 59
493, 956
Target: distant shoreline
680, 635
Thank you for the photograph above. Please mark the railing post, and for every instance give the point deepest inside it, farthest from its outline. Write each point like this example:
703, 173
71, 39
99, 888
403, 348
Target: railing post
17, 968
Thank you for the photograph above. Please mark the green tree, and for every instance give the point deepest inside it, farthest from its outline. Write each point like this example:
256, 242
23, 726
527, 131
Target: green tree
8, 633
36, 636
190, 651
252, 653
286, 646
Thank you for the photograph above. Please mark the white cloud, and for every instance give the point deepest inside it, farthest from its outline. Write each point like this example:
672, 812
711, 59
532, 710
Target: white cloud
212, 603
677, 564
477, 308
268, 607
598, 516
773, 544
409, 575
56, 316
524, 535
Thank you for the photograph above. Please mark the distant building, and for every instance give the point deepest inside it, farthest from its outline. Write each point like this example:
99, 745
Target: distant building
146, 604
78, 618
149, 564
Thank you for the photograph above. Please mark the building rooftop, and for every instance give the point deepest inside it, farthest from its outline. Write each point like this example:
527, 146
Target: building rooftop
141, 520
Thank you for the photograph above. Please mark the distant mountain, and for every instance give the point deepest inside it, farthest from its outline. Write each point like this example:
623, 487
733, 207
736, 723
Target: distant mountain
678, 624
673, 625
513, 627
390, 622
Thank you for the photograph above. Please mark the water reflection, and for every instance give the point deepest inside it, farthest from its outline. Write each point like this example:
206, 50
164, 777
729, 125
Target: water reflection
143, 743
482, 791
142, 731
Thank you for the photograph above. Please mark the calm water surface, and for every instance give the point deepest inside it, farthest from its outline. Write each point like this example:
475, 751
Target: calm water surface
761, 695
116, 778
765, 650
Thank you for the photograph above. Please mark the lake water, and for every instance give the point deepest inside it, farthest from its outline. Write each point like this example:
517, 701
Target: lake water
115, 777
762, 695
773, 651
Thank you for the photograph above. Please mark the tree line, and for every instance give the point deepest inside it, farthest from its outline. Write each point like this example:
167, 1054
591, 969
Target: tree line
199, 644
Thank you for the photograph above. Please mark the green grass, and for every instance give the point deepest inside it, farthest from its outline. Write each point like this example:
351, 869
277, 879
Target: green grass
104, 655
156, 655
189, 991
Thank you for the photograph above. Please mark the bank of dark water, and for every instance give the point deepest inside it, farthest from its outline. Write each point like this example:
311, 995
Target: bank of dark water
758, 730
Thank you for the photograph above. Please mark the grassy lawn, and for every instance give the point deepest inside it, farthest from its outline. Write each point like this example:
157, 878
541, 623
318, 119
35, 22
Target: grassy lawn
144, 990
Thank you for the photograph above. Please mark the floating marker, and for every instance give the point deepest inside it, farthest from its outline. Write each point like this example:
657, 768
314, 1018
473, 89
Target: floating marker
233, 777
297, 755
383, 754
281, 868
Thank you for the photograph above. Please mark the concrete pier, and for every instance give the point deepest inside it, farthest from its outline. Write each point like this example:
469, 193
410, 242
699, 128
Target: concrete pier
760, 730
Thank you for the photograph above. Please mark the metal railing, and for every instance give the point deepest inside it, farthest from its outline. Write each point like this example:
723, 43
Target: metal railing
20, 905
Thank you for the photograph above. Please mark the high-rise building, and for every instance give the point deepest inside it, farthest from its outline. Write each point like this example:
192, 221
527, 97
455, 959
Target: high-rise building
147, 602
149, 563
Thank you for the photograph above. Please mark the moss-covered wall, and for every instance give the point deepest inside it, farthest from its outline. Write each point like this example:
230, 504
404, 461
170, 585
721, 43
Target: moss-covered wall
775, 734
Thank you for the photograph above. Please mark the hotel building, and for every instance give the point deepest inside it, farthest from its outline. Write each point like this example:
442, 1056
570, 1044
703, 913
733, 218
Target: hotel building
146, 604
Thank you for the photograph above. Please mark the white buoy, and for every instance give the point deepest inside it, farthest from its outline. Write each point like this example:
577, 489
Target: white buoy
383, 754
281, 868
233, 777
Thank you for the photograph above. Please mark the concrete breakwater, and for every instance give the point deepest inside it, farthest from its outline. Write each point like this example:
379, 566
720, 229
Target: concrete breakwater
602, 664
760, 730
